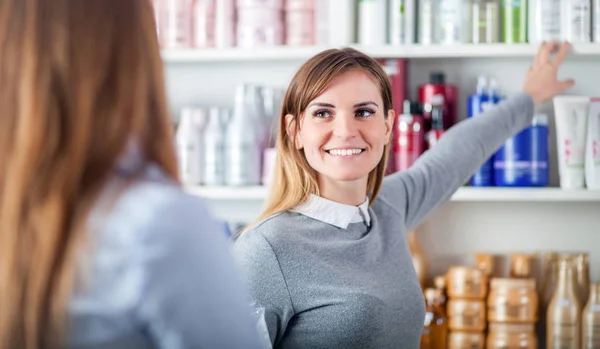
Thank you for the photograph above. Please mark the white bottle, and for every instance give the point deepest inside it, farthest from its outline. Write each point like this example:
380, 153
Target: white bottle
243, 142
453, 22
225, 23
189, 145
545, 23
372, 22
425, 22
577, 16
214, 148
402, 16
339, 19
596, 17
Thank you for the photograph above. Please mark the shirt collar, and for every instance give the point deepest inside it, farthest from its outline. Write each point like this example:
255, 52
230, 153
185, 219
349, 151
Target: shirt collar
335, 213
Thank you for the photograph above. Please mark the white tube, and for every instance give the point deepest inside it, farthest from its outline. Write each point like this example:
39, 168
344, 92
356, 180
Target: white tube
225, 23
570, 114
592, 150
372, 22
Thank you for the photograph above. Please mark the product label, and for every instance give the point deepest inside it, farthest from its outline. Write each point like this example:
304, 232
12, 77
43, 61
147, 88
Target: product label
507, 310
549, 20
578, 25
564, 336
591, 336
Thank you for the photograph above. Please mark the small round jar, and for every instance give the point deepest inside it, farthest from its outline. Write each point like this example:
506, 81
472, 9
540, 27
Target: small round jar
517, 336
512, 300
467, 283
466, 315
466, 340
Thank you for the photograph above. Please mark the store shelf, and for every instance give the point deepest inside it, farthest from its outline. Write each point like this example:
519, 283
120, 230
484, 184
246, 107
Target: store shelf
287, 53
466, 194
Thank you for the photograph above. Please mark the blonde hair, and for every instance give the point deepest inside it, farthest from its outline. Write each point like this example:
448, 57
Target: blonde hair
78, 80
294, 180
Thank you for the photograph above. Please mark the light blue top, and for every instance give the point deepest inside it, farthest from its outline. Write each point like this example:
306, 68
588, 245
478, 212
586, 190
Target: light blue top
158, 273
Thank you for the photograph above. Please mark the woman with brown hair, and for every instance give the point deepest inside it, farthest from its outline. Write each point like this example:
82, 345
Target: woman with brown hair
99, 246
328, 258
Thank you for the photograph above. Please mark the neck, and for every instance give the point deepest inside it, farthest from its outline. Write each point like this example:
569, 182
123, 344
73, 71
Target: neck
345, 192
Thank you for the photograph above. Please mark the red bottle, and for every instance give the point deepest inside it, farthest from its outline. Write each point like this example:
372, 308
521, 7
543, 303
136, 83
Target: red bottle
437, 121
409, 141
437, 86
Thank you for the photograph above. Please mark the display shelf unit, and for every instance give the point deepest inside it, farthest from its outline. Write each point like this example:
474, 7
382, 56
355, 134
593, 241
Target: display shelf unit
465, 194
292, 53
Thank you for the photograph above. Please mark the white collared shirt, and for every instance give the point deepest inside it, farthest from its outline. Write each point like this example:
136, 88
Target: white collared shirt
335, 213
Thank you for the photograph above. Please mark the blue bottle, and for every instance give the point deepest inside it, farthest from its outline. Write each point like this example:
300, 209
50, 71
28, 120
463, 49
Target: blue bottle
523, 160
484, 97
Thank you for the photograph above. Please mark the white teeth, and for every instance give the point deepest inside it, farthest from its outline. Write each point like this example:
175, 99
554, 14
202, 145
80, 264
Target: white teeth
344, 152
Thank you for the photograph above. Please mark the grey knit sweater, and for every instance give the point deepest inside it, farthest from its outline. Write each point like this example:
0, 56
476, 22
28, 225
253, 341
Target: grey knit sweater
326, 287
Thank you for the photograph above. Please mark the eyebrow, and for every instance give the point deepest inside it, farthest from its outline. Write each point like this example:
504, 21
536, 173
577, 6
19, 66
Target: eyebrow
327, 105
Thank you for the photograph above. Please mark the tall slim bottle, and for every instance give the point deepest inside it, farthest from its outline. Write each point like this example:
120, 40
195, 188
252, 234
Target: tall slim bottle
372, 22
514, 21
591, 320
485, 16
189, 145
563, 319
583, 276
243, 143
214, 148
435, 331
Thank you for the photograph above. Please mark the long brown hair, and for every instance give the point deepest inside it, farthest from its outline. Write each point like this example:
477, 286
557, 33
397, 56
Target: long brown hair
79, 79
294, 180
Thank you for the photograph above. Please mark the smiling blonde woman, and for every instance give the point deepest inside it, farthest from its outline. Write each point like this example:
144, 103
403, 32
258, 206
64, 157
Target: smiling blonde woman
328, 259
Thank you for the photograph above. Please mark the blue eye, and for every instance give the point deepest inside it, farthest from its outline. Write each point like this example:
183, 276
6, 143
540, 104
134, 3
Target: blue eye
322, 114
364, 113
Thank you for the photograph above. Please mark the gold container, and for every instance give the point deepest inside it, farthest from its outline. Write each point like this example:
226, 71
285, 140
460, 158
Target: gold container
591, 319
511, 336
485, 262
467, 283
563, 316
520, 265
512, 300
466, 340
466, 315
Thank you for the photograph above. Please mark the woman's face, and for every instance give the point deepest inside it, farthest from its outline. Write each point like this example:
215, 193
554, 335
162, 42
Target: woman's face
344, 130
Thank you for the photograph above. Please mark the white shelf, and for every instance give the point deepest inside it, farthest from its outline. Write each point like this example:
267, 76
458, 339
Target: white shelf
283, 53
465, 194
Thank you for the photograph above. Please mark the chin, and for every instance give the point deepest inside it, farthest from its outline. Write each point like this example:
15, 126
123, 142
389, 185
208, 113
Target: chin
348, 176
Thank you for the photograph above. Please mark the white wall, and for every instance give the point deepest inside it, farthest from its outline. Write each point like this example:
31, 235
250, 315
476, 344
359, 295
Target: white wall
457, 229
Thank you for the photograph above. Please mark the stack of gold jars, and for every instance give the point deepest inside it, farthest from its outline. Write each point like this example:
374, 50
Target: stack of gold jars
467, 289
512, 308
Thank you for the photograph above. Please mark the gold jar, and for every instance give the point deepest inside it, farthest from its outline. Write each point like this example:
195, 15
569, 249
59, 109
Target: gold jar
466, 340
511, 336
466, 315
467, 283
512, 300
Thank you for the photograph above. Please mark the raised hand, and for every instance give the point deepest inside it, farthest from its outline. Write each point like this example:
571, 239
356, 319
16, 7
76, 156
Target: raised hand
541, 81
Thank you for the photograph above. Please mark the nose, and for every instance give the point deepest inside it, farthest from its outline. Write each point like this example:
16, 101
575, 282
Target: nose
345, 126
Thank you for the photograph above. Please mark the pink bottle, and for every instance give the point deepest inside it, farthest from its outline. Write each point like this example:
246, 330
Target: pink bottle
259, 27
300, 27
176, 23
204, 21
272, 4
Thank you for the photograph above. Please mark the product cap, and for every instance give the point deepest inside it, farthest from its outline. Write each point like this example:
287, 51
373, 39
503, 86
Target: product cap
540, 119
437, 78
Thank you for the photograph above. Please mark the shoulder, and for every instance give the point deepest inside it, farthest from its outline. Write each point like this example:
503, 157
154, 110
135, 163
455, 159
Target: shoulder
153, 213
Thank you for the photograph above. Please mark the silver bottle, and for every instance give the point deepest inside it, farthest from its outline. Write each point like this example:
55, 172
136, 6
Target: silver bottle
214, 147
189, 145
245, 139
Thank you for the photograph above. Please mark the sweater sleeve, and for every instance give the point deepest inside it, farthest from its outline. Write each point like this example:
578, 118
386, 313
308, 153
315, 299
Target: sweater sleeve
267, 283
439, 172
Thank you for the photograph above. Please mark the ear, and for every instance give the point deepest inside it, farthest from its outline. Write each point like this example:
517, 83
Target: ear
389, 125
290, 128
